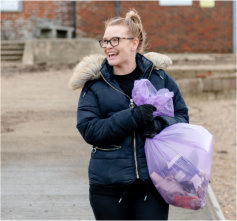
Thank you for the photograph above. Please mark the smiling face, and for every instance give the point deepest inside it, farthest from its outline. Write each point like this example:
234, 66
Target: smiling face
123, 55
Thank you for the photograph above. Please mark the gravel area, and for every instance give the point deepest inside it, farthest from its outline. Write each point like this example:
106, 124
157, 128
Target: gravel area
32, 96
219, 117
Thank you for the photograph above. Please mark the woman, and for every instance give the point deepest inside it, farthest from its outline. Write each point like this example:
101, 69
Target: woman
108, 119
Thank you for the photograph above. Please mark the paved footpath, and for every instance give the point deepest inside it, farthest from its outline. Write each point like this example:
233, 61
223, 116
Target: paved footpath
44, 174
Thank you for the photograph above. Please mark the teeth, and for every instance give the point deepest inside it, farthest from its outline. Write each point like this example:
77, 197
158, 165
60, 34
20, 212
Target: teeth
112, 53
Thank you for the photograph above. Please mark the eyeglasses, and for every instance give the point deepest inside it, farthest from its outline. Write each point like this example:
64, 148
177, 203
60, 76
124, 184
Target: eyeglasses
113, 42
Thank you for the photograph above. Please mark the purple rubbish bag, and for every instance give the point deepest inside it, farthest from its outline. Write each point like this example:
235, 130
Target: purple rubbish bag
145, 93
179, 157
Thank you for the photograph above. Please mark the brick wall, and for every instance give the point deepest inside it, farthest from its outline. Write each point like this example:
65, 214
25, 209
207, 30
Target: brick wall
91, 16
169, 29
21, 25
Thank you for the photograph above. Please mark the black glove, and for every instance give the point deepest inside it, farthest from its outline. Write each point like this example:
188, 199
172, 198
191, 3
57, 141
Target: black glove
148, 126
153, 128
144, 114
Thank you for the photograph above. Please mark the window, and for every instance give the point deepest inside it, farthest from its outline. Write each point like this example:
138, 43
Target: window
207, 3
61, 34
11, 5
45, 33
176, 2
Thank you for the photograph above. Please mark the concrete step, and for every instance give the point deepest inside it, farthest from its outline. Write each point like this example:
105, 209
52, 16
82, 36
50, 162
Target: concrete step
4, 42
11, 52
210, 87
200, 71
12, 47
203, 58
11, 58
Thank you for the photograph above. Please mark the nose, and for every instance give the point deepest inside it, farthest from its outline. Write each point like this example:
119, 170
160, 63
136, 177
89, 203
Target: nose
109, 45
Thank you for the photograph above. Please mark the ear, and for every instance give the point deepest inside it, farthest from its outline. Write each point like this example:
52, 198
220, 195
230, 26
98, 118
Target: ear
135, 44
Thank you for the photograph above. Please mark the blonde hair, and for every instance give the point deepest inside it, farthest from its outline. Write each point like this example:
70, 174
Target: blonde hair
133, 21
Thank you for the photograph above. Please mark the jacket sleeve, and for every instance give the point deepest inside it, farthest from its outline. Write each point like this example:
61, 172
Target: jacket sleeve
97, 130
180, 108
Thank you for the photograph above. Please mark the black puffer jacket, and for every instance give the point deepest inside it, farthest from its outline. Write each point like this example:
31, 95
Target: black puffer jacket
106, 120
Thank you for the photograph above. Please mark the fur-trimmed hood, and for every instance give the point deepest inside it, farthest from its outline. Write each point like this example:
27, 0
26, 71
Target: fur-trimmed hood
89, 68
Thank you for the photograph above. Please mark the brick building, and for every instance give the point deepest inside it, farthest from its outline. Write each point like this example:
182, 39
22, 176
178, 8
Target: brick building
190, 28
23, 21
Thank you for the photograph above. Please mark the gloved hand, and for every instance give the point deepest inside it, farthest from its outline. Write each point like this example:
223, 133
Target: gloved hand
148, 126
153, 128
144, 114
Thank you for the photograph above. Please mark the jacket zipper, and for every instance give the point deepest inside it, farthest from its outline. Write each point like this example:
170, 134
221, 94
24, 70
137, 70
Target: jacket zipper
115, 87
106, 149
150, 72
135, 154
131, 105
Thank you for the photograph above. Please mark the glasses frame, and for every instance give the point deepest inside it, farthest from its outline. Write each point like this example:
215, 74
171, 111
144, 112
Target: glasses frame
109, 41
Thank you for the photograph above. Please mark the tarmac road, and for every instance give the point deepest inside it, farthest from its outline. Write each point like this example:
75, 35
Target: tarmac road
44, 174
44, 159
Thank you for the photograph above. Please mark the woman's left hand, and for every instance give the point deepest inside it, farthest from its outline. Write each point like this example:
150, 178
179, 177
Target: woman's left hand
153, 128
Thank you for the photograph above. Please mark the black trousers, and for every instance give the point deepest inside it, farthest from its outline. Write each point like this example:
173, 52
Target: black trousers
137, 201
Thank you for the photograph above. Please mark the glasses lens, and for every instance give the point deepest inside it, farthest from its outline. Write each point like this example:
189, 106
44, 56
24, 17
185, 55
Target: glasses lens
102, 44
114, 41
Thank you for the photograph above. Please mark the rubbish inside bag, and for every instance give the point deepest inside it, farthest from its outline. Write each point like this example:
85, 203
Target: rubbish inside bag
181, 184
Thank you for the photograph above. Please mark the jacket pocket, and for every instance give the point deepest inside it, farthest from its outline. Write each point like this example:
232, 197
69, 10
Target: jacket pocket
109, 148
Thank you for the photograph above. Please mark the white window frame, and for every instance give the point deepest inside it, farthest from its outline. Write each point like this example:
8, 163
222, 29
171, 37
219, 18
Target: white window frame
175, 2
10, 5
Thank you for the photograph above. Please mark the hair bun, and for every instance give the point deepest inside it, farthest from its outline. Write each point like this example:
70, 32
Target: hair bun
133, 15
